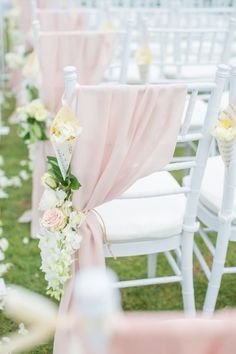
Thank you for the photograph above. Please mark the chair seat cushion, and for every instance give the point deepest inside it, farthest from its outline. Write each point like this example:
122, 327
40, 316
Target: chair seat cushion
192, 72
145, 218
212, 185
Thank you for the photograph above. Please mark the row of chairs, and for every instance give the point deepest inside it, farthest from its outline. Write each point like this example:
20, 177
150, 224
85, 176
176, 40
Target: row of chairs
178, 235
176, 53
141, 3
156, 17
120, 244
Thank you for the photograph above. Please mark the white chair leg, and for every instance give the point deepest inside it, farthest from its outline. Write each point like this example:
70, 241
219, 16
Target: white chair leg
217, 269
152, 263
187, 273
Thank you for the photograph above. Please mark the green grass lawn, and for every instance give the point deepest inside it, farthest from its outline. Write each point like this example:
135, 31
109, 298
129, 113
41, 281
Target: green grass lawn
26, 260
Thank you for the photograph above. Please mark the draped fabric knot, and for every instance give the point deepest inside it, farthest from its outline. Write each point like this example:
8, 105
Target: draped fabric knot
102, 225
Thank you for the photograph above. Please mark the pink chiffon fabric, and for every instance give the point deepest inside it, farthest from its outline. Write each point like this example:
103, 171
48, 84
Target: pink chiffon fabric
90, 53
43, 3
152, 333
128, 133
62, 20
25, 14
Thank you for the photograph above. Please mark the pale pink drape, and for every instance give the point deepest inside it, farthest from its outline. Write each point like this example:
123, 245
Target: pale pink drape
90, 53
128, 132
62, 20
43, 3
25, 14
166, 333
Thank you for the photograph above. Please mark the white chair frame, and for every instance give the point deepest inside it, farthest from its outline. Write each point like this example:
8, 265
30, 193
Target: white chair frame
221, 224
183, 242
212, 46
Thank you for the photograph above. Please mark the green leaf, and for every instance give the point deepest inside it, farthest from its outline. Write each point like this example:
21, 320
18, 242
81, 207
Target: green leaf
74, 183
37, 131
57, 173
26, 136
52, 159
31, 120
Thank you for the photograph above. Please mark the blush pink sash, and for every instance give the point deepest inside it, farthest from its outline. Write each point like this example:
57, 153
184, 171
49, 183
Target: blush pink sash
62, 20
128, 133
152, 333
89, 52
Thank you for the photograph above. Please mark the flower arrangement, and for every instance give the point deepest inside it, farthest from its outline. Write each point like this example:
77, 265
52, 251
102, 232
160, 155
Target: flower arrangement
33, 121
143, 55
14, 60
143, 58
64, 131
225, 127
225, 132
58, 238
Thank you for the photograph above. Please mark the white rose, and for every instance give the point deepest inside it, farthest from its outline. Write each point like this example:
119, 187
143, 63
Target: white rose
61, 195
76, 218
49, 181
37, 110
49, 200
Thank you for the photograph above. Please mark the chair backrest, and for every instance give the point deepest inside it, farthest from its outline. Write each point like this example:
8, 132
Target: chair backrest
186, 17
67, 19
196, 163
158, 3
56, 49
198, 3
175, 48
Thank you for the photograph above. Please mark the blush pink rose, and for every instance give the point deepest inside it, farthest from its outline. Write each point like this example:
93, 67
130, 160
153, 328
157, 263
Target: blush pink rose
54, 219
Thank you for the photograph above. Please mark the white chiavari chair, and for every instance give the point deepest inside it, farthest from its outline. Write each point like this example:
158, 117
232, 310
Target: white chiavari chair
216, 212
188, 53
155, 215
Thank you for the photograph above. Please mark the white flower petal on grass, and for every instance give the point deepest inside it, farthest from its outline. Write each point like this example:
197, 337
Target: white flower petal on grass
23, 163
15, 181
4, 244
25, 240
3, 194
22, 330
24, 175
4, 268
